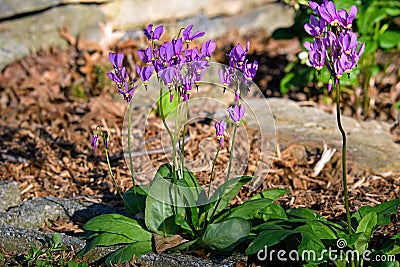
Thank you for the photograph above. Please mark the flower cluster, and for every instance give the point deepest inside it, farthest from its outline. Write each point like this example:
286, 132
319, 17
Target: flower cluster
95, 138
335, 44
236, 114
238, 61
120, 76
166, 60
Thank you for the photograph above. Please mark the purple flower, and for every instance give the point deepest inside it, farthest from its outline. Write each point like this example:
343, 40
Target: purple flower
116, 60
338, 68
225, 75
166, 52
188, 36
146, 55
237, 112
237, 55
177, 49
119, 77
187, 85
207, 49
153, 35
95, 140
317, 53
167, 76
192, 55
145, 73
346, 19
220, 127
106, 138
128, 92
197, 70
315, 28
329, 13
250, 70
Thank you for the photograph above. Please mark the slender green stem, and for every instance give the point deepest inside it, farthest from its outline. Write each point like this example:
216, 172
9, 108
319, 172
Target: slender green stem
131, 160
129, 145
344, 168
171, 136
229, 166
212, 171
231, 153
183, 137
115, 183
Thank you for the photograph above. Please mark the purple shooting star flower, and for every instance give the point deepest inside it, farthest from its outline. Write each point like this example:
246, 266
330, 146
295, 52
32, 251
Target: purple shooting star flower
145, 73
146, 55
225, 75
207, 49
237, 112
116, 60
188, 36
315, 28
128, 92
346, 19
220, 127
95, 140
329, 13
250, 70
167, 76
153, 35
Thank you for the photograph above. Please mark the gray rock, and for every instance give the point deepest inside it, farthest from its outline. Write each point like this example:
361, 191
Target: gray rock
10, 8
370, 144
9, 195
31, 214
23, 36
17, 240
176, 259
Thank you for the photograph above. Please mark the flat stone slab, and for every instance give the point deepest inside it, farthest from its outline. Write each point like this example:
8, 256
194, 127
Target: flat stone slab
369, 143
17, 240
31, 214
9, 195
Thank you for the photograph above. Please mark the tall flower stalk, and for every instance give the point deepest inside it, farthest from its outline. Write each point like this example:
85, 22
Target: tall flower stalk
335, 47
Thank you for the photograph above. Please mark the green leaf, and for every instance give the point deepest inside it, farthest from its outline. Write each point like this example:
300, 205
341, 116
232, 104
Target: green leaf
159, 214
225, 193
118, 224
135, 200
105, 239
287, 83
273, 211
392, 246
224, 236
389, 39
393, 12
303, 213
164, 171
383, 212
367, 224
273, 194
249, 210
189, 197
166, 105
317, 228
312, 235
126, 253
56, 240
268, 238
